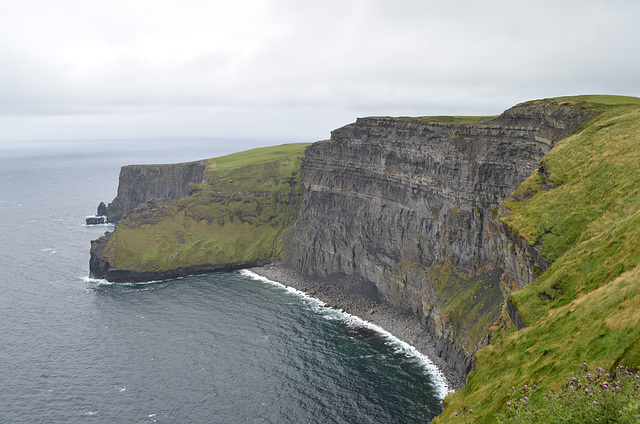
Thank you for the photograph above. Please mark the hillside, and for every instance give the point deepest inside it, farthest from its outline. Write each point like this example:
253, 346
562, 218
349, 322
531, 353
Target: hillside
582, 208
236, 217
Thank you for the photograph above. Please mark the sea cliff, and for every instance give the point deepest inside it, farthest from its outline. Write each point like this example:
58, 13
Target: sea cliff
222, 214
421, 215
407, 204
140, 183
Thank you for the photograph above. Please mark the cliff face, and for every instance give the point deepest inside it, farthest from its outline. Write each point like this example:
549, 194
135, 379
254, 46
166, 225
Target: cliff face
140, 183
407, 204
238, 215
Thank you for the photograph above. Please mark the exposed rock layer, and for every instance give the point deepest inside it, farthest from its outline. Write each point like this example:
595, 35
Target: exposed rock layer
407, 204
140, 183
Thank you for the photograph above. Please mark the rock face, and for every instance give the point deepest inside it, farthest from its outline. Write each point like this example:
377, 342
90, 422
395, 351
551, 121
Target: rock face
140, 183
95, 220
102, 209
407, 204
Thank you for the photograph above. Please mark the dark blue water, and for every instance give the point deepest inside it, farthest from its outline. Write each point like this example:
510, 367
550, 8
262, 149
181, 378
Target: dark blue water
223, 348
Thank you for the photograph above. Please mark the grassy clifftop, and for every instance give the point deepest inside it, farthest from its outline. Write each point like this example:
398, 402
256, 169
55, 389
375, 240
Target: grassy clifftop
583, 208
240, 214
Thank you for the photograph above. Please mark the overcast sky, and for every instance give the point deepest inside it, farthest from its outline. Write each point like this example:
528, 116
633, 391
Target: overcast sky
293, 69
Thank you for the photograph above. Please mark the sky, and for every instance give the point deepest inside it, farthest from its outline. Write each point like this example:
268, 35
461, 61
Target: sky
294, 70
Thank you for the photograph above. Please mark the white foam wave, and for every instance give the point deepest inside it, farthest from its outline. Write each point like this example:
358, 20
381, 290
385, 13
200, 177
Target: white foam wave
400, 347
102, 282
96, 281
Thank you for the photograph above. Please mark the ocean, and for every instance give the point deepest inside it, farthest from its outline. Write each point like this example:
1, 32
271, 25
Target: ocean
220, 348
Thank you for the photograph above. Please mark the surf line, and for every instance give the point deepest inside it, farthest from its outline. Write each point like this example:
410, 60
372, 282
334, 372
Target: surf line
439, 381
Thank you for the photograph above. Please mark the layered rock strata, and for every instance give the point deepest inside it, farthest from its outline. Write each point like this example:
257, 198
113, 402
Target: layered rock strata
139, 183
407, 204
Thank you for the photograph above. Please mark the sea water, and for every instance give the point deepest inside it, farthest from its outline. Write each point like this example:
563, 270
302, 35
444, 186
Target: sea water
220, 348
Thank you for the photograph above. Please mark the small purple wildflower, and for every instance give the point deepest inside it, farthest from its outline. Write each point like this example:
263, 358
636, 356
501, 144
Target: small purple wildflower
455, 413
508, 403
471, 410
590, 394
595, 402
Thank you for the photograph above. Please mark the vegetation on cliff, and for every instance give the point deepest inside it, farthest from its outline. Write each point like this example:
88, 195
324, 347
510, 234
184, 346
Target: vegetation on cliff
239, 215
582, 207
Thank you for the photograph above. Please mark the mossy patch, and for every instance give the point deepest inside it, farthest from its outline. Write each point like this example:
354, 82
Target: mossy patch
470, 304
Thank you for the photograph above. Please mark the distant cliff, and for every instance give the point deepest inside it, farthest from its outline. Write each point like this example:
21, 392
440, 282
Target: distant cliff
140, 183
213, 215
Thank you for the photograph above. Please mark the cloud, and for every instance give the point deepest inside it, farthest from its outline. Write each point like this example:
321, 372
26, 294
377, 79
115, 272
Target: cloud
146, 68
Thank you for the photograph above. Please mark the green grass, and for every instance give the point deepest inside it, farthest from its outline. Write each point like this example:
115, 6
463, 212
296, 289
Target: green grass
257, 156
604, 99
586, 306
239, 215
458, 120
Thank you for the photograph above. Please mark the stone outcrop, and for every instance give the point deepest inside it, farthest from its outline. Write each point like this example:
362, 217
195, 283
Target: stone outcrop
100, 217
407, 204
102, 209
140, 183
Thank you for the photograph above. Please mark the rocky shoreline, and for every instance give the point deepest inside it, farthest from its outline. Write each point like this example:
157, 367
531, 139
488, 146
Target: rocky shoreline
364, 302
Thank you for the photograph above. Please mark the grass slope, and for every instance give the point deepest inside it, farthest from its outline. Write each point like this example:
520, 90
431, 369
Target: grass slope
584, 209
238, 215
